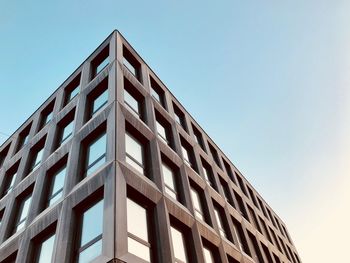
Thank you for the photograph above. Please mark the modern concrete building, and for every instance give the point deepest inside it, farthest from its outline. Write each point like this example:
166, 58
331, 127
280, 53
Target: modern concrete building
112, 168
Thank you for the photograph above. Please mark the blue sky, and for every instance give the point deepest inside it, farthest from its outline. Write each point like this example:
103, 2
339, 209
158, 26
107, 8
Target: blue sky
277, 70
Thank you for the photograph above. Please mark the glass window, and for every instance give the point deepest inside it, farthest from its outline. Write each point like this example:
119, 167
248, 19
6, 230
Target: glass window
186, 155
73, 93
9, 183
57, 183
91, 233
208, 174
197, 205
23, 138
180, 117
67, 132
198, 137
134, 153
220, 223
45, 250
96, 154
208, 255
132, 104
138, 237
22, 213
155, 95
102, 65
99, 102
215, 155
37, 159
179, 247
129, 66
169, 181
162, 132
72, 90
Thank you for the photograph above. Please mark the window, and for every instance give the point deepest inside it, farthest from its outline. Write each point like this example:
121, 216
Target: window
215, 155
67, 132
96, 154
264, 228
226, 192
45, 250
131, 63
133, 100
3, 154
46, 115
208, 174
65, 129
198, 137
134, 153
157, 92
23, 138
220, 223
37, 155
241, 206
242, 242
138, 236
91, 229
266, 252
163, 130
229, 171
271, 217
242, 186
22, 213
254, 219
277, 260
56, 186
286, 233
252, 196
179, 247
274, 237
72, 90
11, 258
255, 248
9, 180
197, 204
208, 255
188, 154
180, 117
262, 207
100, 62
169, 181
284, 248
97, 99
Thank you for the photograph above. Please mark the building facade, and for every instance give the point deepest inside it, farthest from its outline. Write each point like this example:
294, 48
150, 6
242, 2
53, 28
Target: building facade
112, 168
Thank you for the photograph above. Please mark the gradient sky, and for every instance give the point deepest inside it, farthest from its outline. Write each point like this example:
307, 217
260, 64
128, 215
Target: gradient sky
279, 71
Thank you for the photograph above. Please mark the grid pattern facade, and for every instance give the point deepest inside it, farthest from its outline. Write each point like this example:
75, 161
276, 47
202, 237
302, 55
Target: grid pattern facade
112, 149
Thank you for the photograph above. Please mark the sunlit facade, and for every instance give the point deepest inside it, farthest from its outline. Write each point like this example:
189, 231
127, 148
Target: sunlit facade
112, 168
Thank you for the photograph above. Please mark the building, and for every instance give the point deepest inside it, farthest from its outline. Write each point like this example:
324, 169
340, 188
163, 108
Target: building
111, 168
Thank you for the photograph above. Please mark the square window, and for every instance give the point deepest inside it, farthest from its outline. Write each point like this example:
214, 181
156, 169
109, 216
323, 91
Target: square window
23, 138
100, 62
46, 115
131, 63
198, 137
188, 154
180, 117
72, 90
95, 152
9, 180
164, 130
65, 129
215, 155
139, 242
157, 92
90, 222
97, 99
22, 211
135, 153
3, 154
133, 100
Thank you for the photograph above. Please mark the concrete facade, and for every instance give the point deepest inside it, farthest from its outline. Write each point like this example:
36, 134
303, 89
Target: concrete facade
265, 234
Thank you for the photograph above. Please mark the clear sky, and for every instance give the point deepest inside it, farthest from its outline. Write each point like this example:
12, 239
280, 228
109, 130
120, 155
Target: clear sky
276, 75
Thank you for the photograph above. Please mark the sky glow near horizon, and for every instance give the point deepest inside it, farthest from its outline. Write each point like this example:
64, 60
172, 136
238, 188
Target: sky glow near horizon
278, 71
